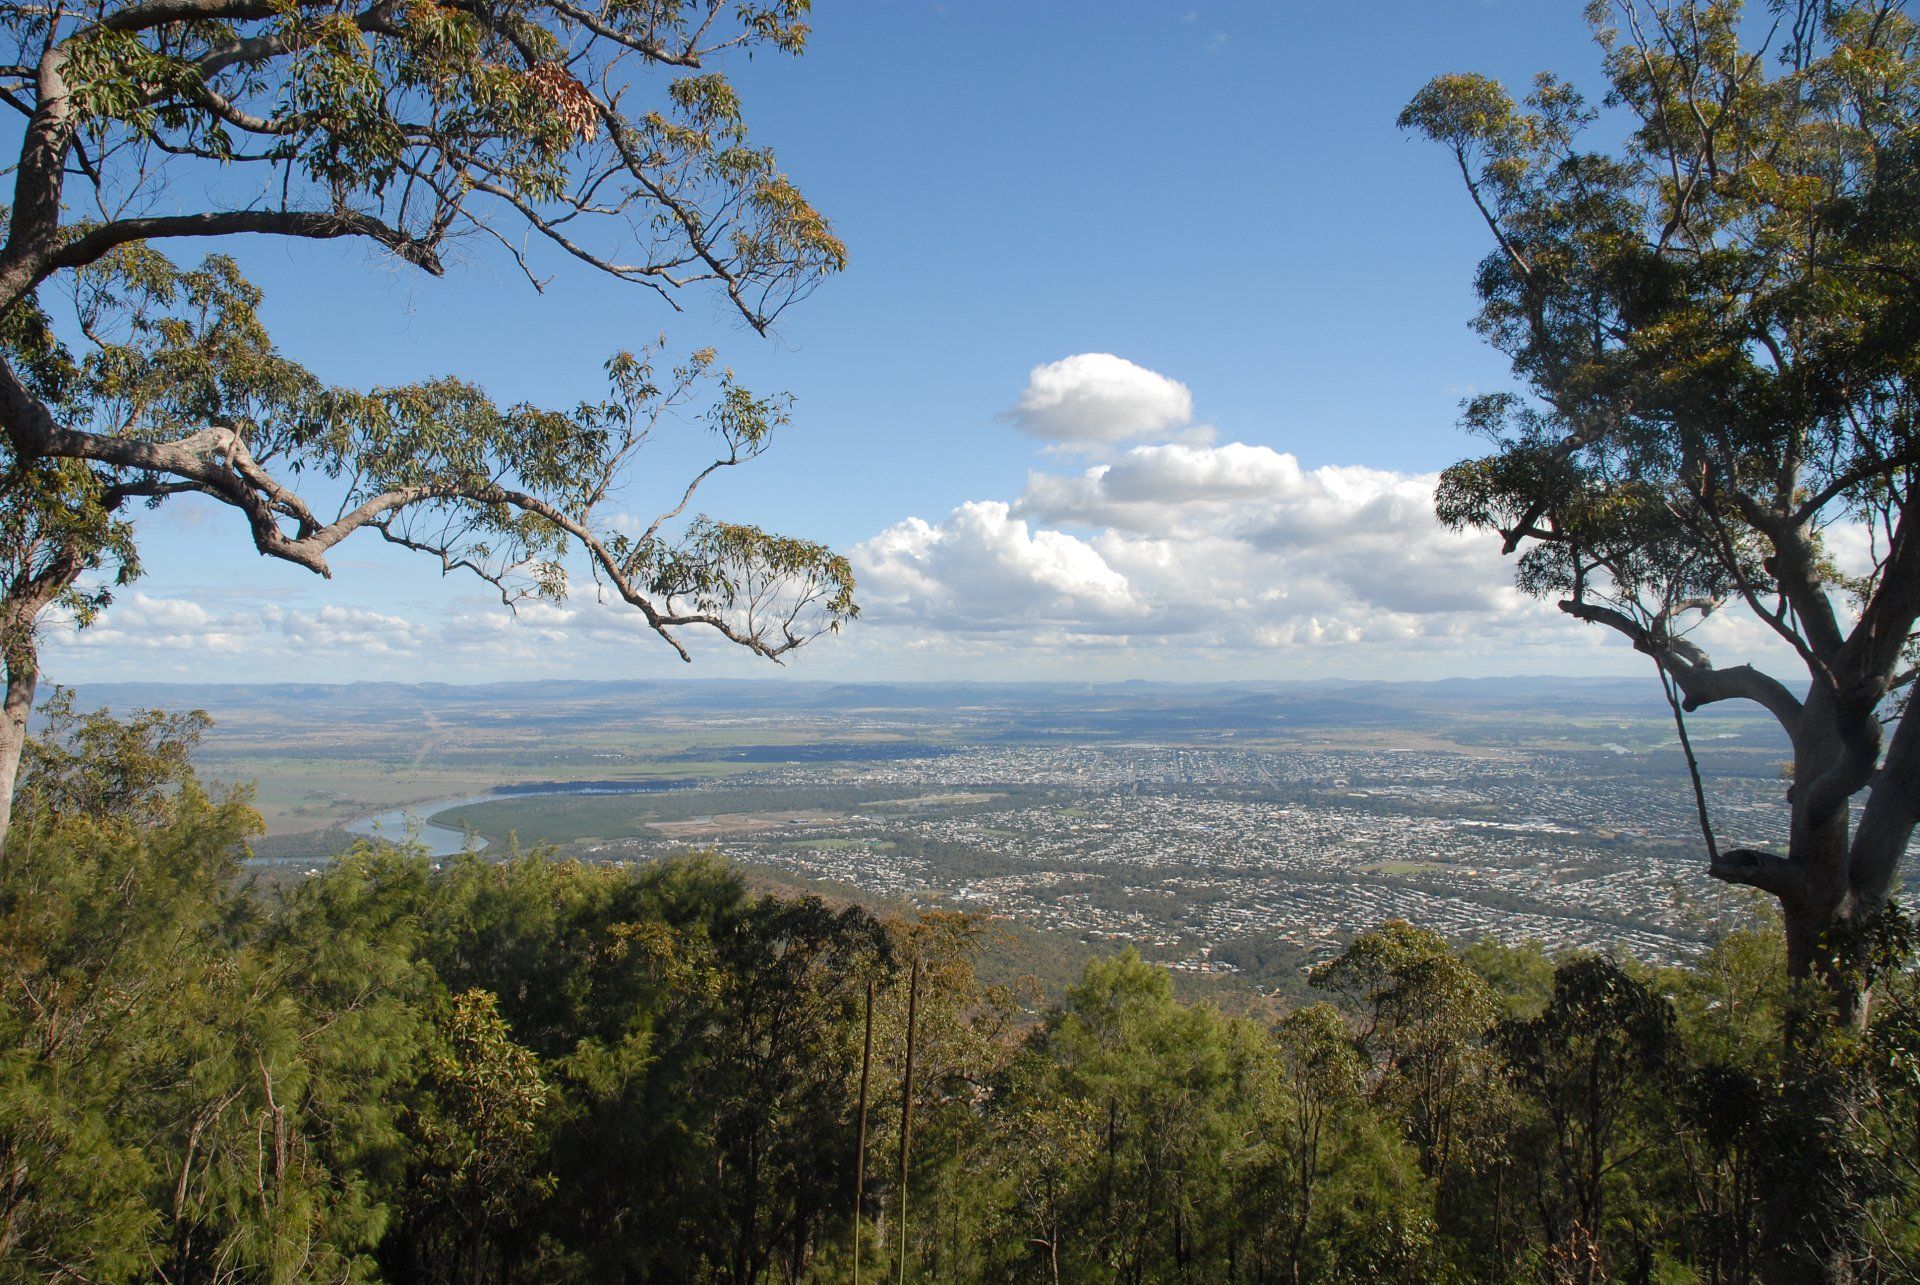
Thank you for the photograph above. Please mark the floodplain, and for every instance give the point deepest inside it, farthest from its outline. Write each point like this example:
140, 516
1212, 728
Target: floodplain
1232, 830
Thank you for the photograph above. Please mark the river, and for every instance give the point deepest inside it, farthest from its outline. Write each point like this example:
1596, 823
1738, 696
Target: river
411, 824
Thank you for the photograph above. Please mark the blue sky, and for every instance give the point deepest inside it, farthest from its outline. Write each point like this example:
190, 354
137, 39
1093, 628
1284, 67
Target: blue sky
1214, 194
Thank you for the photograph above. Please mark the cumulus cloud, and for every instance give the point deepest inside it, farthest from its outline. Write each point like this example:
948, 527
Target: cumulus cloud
1096, 400
1219, 550
1168, 557
1367, 536
1182, 560
336, 628
1234, 545
190, 637
142, 625
982, 568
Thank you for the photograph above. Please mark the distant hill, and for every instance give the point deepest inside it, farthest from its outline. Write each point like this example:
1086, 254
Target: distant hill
1328, 700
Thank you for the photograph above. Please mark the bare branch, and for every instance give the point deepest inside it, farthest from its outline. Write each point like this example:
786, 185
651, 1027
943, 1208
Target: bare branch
1701, 683
91, 245
1752, 868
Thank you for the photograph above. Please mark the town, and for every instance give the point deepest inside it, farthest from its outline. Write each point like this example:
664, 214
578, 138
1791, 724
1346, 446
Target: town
1183, 851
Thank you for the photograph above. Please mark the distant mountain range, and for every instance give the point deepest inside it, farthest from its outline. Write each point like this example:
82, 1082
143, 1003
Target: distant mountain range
1324, 701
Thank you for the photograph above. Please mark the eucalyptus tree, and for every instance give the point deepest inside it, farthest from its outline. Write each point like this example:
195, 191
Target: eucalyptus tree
195, 1090
1162, 1089
945, 1033
1713, 327
1593, 1067
561, 131
1422, 1015
477, 1150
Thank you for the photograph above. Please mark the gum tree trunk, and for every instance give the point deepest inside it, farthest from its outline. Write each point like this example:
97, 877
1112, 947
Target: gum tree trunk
1820, 849
20, 610
906, 1108
23, 679
45, 568
860, 1137
1837, 876
1833, 876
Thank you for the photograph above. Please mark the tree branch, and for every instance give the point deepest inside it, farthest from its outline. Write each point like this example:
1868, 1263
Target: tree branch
1752, 868
313, 225
1701, 683
157, 13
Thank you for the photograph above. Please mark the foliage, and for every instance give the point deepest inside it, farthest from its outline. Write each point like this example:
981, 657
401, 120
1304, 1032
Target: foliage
533, 1070
1592, 1071
192, 1088
1712, 327
477, 1147
604, 134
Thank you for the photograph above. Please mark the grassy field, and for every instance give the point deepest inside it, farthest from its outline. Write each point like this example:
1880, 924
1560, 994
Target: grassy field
935, 801
1402, 867
300, 794
689, 815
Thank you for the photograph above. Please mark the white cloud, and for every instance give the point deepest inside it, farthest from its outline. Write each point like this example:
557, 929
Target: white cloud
338, 628
1183, 560
1227, 546
452, 638
1174, 558
141, 624
985, 569
141, 628
1095, 400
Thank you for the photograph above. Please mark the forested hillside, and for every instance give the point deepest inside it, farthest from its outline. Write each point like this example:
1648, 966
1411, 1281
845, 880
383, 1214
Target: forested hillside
531, 1070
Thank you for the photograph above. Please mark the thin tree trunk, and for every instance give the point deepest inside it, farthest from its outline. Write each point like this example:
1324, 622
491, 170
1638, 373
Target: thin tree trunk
1595, 1194
23, 680
1500, 1210
906, 1108
749, 1219
1693, 764
26, 597
860, 1134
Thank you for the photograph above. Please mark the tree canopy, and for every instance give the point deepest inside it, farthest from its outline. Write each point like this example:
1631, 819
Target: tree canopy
1713, 328
528, 1069
601, 135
